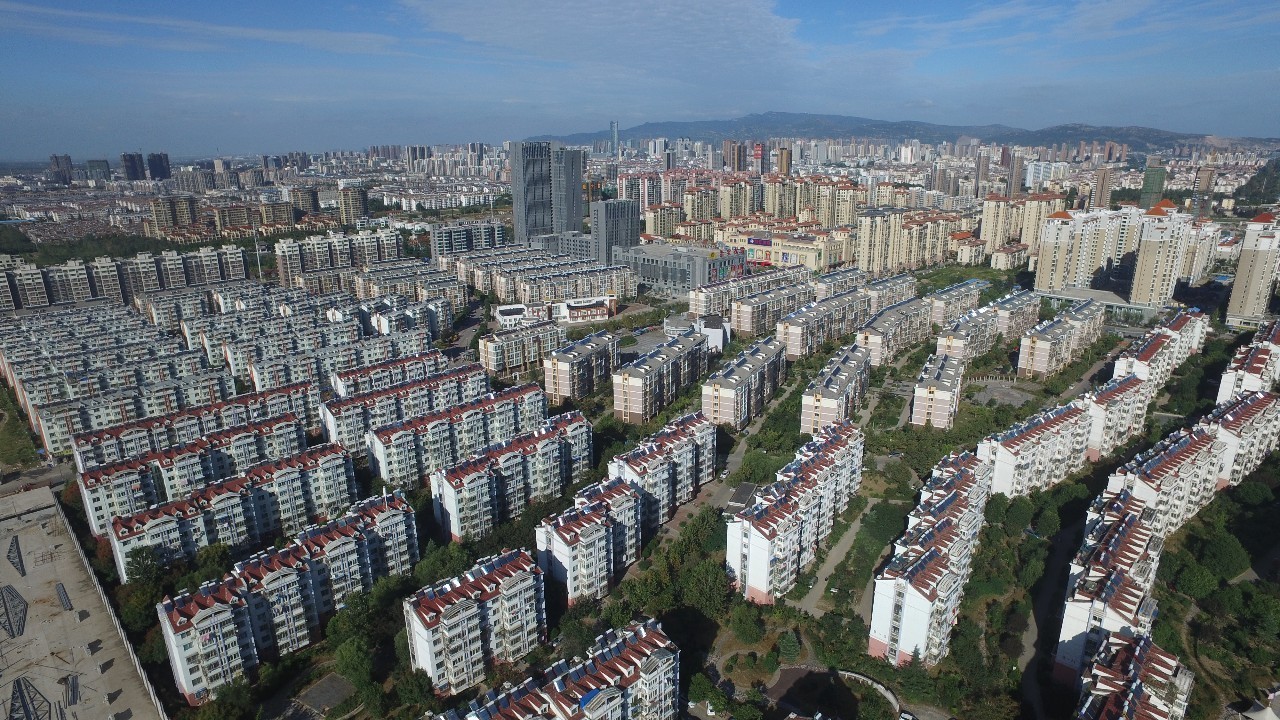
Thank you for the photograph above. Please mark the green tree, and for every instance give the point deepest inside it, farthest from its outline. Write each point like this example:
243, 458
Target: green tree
706, 588
352, 621
1225, 555
353, 661
788, 646
1253, 493
744, 620
1195, 580
1019, 514
143, 568
701, 688
1048, 523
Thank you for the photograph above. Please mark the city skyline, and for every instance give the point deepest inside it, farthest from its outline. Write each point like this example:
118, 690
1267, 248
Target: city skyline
96, 83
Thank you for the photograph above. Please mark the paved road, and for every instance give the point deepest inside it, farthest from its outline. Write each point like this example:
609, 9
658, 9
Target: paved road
810, 602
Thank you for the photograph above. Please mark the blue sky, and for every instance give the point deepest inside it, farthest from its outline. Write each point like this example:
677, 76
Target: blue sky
94, 79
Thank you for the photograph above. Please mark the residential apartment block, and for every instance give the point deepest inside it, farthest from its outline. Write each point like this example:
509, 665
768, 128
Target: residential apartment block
1039, 452
1110, 579
774, 540
155, 434
461, 237
124, 487
835, 394
646, 385
949, 303
738, 392
581, 368
757, 314
937, 393
243, 512
405, 453
917, 595
1133, 677
716, 298
588, 547
1255, 279
388, 373
1255, 366
497, 483
972, 335
1169, 247
806, 330
493, 614
631, 673
890, 291
1017, 313
1050, 346
347, 419
668, 467
1117, 413
839, 281
275, 603
522, 349
894, 329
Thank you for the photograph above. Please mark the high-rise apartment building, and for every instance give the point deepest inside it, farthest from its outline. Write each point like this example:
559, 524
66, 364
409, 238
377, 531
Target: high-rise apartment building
567, 170
615, 226
531, 190
1202, 193
133, 166
306, 200
158, 166
59, 169
1153, 183
1100, 194
353, 204
1255, 280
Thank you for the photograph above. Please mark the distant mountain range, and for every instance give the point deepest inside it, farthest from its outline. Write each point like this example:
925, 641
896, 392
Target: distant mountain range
783, 124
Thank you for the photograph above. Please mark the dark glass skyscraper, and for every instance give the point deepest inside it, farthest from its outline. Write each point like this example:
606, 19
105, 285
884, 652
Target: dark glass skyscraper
531, 189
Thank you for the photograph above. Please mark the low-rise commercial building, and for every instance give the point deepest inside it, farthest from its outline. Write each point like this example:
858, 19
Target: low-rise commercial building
674, 269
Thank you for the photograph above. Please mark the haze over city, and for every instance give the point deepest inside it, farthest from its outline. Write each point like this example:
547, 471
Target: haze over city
705, 360
93, 79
